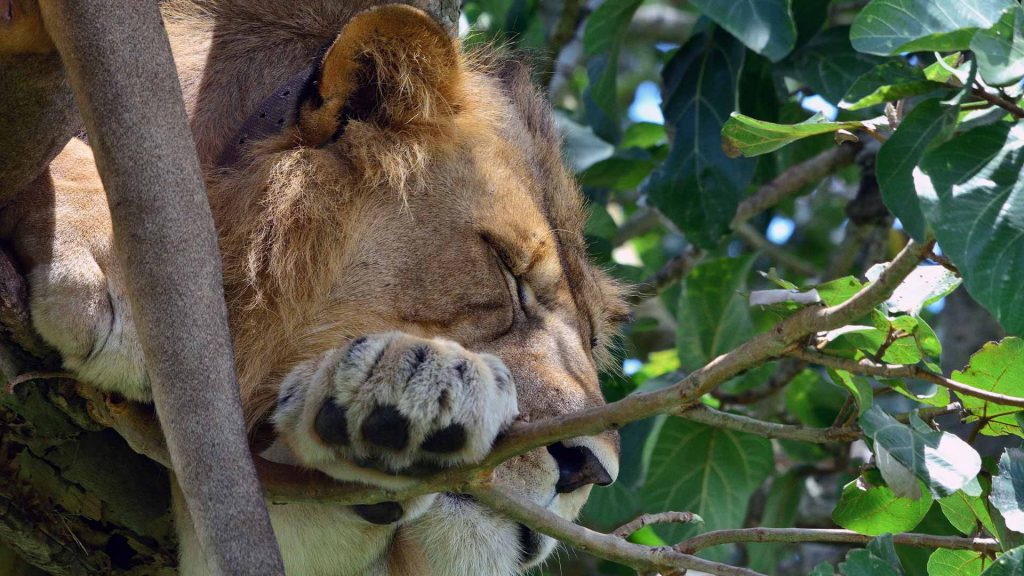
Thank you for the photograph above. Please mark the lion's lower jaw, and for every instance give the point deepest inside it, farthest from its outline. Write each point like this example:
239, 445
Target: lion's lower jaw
455, 537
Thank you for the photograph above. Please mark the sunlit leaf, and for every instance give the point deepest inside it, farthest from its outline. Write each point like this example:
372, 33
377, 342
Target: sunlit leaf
972, 193
746, 136
888, 82
889, 27
874, 509
997, 367
956, 563
1008, 489
923, 286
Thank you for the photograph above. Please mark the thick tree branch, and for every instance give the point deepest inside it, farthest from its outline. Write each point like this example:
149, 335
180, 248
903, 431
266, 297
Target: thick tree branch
904, 371
792, 535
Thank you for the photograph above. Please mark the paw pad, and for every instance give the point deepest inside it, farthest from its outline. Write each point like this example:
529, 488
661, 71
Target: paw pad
331, 423
387, 427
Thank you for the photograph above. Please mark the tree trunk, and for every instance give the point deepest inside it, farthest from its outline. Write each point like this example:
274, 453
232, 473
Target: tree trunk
74, 498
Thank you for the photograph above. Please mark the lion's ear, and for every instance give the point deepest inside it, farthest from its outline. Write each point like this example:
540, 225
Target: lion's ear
392, 65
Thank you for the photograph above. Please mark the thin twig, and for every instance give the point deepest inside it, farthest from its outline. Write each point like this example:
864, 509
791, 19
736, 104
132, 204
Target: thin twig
711, 417
788, 369
639, 522
676, 268
751, 236
904, 371
794, 179
28, 376
607, 546
792, 535
1016, 111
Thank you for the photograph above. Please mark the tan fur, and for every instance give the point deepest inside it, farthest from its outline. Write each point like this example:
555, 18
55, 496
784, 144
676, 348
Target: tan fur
406, 223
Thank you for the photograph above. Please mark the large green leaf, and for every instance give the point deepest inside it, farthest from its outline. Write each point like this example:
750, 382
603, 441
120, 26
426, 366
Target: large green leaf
749, 137
956, 563
1009, 564
710, 471
829, 65
972, 194
602, 38
997, 367
944, 462
928, 124
1000, 49
698, 187
869, 507
1008, 489
890, 27
765, 26
713, 313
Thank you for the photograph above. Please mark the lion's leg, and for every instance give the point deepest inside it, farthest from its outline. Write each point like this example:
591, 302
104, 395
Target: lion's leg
59, 228
394, 404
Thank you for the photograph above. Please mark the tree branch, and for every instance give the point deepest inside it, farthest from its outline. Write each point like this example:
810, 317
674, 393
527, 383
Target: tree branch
677, 267
792, 535
904, 371
1016, 111
711, 417
639, 522
607, 546
755, 239
794, 179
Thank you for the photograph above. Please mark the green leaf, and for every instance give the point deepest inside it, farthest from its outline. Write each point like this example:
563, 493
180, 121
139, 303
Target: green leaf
1008, 489
813, 401
964, 512
835, 292
1009, 564
928, 124
710, 471
713, 313
877, 559
780, 509
829, 65
997, 367
749, 137
1000, 49
873, 509
886, 83
765, 26
823, 569
890, 27
972, 193
617, 173
698, 187
944, 462
602, 40
956, 563
643, 135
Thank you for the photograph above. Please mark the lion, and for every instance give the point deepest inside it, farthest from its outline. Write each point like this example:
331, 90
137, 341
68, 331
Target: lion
404, 265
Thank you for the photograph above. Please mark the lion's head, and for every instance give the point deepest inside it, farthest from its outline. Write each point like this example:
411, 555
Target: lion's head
422, 190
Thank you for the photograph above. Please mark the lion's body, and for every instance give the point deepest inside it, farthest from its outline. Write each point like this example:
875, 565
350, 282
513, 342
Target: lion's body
439, 213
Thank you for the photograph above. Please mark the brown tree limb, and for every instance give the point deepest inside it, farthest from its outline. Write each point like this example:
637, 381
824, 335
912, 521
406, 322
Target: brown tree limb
904, 371
792, 535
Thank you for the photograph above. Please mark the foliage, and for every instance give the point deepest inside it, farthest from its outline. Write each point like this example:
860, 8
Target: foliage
926, 93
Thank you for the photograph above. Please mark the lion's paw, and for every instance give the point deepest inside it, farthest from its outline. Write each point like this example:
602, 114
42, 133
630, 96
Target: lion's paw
399, 404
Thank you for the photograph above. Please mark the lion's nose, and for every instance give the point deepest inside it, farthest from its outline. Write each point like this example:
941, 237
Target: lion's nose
577, 467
